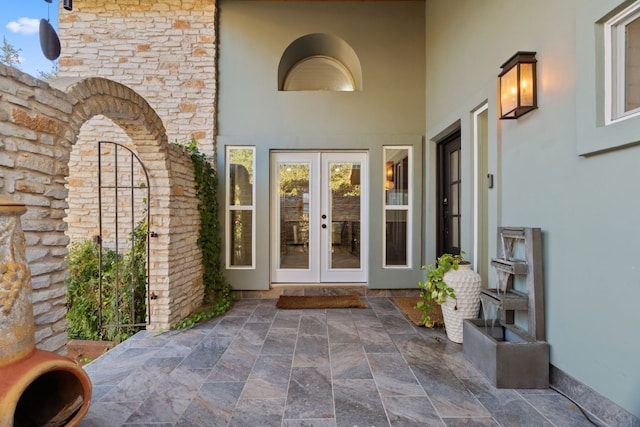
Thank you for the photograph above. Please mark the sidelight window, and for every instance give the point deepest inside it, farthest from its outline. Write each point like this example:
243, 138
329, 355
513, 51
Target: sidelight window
397, 206
240, 206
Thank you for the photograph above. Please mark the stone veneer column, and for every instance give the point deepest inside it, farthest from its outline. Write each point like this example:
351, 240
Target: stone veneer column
165, 50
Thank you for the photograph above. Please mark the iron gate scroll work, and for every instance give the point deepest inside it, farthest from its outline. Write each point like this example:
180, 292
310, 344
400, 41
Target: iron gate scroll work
123, 209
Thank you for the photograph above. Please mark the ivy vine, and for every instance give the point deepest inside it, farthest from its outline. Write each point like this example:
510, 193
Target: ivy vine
218, 296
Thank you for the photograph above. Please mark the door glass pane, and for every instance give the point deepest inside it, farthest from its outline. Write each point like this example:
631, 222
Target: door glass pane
455, 231
455, 199
345, 202
396, 237
294, 215
455, 165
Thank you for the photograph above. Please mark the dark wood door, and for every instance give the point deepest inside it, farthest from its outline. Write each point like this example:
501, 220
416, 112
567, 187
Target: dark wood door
449, 190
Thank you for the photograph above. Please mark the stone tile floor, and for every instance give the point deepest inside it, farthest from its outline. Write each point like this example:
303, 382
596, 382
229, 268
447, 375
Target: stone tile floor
261, 366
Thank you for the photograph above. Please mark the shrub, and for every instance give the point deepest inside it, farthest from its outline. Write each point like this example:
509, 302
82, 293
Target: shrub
125, 273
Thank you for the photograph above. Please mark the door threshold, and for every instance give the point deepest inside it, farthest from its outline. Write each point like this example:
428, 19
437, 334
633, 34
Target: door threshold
318, 285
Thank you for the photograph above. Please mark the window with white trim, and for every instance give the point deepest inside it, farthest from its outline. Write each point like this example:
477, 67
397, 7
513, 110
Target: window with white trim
397, 206
240, 207
622, 64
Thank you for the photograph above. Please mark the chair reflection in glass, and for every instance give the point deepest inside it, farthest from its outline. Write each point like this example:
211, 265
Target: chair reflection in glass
338, 234
297, 234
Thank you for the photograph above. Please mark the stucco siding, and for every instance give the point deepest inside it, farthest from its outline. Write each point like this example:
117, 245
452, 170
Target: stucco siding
586, 206
388, 38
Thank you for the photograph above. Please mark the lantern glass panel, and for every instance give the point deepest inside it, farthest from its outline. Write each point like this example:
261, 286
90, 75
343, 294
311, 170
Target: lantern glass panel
526, 85
509, 91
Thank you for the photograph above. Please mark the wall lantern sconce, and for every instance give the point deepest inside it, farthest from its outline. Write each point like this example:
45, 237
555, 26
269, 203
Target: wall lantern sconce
518, 85
389, 182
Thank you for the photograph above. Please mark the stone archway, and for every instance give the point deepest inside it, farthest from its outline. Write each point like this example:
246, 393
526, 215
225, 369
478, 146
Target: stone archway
41, 122
175, 279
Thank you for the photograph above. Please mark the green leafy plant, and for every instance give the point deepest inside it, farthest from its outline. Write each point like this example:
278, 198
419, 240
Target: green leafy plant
218, 295
9, 54
434, 290
82, 294
125, 273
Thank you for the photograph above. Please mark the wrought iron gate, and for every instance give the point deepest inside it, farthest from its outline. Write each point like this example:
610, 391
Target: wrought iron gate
123, 212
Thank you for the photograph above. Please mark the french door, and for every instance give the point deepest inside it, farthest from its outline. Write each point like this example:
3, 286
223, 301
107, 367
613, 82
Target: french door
318, 217
449, 191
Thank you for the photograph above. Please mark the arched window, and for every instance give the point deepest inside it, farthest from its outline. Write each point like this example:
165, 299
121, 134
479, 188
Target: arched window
319, 73
319, 62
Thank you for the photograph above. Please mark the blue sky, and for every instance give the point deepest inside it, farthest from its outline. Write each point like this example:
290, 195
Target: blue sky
19, 23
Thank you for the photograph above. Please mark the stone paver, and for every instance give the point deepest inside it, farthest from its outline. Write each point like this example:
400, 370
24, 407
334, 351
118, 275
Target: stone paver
259, 366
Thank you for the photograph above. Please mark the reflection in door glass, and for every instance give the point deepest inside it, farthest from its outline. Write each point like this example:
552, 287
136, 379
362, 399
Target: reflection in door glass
345, 214
294, 215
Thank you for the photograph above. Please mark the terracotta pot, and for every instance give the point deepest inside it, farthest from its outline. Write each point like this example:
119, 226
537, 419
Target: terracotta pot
36, 387
43, 389
467, 285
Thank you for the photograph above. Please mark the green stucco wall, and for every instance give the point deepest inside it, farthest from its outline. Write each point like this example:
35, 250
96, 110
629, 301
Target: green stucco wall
388, 38
587, 205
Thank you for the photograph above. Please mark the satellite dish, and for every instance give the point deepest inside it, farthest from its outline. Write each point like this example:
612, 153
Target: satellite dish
49, 41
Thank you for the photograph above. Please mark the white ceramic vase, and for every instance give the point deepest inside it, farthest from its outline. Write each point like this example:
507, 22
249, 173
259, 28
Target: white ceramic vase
467, 285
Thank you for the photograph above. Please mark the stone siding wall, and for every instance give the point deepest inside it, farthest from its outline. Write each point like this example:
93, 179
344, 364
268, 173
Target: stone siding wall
39, 125
82, 214
175, 297
35, 143
163, 49
184, 290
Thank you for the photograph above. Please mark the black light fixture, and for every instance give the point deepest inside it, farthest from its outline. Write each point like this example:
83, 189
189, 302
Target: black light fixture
67, 4
49, 41
518, 91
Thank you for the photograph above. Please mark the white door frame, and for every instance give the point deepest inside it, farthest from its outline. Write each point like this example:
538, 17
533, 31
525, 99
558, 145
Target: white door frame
319, 241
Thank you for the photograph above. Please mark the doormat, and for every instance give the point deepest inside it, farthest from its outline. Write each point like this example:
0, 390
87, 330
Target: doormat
408, 307
320, 301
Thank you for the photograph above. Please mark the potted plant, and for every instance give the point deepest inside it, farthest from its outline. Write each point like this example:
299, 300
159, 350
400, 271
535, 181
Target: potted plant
456, 287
